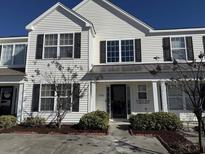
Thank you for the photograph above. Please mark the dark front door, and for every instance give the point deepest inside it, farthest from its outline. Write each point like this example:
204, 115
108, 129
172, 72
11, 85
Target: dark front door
6, 94
118, 101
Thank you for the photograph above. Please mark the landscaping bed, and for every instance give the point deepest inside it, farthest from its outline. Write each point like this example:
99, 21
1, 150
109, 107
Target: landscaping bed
65, 129
174, 142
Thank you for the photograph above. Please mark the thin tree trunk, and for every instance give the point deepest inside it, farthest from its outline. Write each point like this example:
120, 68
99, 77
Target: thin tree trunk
199, 118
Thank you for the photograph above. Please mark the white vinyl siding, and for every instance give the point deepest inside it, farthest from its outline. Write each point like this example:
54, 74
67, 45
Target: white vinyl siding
57, 23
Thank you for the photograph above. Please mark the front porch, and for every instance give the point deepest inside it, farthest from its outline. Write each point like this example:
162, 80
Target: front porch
121, 99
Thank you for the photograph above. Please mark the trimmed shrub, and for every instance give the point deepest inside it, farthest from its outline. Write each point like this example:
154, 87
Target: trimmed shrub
167, 121
7, 121
97, 120
34, 122
142, 122
155, 121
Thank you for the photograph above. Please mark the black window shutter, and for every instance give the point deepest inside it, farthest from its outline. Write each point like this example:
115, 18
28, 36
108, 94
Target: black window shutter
77, 50
35, 98
0, 50
76, 97
204, 43
138, 55
167, 49
39, 46
189, 45
102, 51
108, 99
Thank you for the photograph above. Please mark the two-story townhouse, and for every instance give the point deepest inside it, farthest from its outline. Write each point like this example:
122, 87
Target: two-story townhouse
116, 51
13, 51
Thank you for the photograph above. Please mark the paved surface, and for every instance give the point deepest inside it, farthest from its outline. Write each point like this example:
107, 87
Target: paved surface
119, 142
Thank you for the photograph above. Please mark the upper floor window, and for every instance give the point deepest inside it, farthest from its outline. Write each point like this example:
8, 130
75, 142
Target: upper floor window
120, 51
13, 54
178, 46
59, 45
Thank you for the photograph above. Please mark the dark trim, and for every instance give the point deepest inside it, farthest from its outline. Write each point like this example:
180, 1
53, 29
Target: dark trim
39, 46
35, 98
77, 48
190, 50
138, 52
166, 49
102, 51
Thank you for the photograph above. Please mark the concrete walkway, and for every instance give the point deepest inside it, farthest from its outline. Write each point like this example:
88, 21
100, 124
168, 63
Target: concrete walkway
118, 142
125, 143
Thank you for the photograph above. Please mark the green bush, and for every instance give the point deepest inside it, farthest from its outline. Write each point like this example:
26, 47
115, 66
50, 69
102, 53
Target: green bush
97, 120
7, 121
34, 122
155, 121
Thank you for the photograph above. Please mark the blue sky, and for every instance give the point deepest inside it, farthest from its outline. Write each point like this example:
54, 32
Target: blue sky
160, 14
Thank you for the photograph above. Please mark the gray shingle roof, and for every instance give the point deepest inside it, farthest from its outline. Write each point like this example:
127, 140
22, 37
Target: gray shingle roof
12, 72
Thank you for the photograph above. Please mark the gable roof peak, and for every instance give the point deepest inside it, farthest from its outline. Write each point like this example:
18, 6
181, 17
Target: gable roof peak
30, 26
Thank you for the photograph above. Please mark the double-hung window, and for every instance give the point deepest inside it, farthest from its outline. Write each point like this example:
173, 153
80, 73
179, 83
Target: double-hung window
59, 45
47, 97
66, 45
51, 46
178, 47
13, 54
120, 51
142, 92
53, 97
64, 91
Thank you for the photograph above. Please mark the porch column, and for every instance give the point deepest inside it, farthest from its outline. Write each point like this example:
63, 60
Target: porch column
92, 96
164, 96
155, 96
20, 102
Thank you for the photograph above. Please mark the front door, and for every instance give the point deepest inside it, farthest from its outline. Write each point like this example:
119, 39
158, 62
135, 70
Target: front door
118, 101
6, 94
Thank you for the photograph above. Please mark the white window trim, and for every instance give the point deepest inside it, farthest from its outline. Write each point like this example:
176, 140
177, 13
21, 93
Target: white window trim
171, 48
120, 51
13, 53
55, 100
58, 45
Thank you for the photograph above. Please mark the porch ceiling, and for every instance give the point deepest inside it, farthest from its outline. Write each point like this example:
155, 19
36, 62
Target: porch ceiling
12, 71
133, 72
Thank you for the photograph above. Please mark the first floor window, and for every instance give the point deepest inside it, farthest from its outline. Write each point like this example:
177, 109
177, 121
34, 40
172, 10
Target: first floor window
178, 47
175, 98
59, 96
47, 97
142, 92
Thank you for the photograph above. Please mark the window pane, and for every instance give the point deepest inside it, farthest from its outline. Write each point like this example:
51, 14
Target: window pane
51, 39
112, 51
47, 104
178, 42
66, 52
66, 39
127, 49
50, 52
142, 95
175, 98
179, 54
64, 90
20, 54
6, 57
47, 90
65, 103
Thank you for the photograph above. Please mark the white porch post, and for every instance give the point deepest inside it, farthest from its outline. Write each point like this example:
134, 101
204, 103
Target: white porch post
155, 96
164, 96
92, 96
20, 102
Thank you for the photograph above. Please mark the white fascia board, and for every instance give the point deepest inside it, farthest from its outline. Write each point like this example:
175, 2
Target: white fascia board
14, 38
117, 8
31, 25
178, 30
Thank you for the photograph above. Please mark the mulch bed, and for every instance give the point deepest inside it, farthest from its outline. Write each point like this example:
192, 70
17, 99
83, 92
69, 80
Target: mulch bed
65, 129
174, 142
